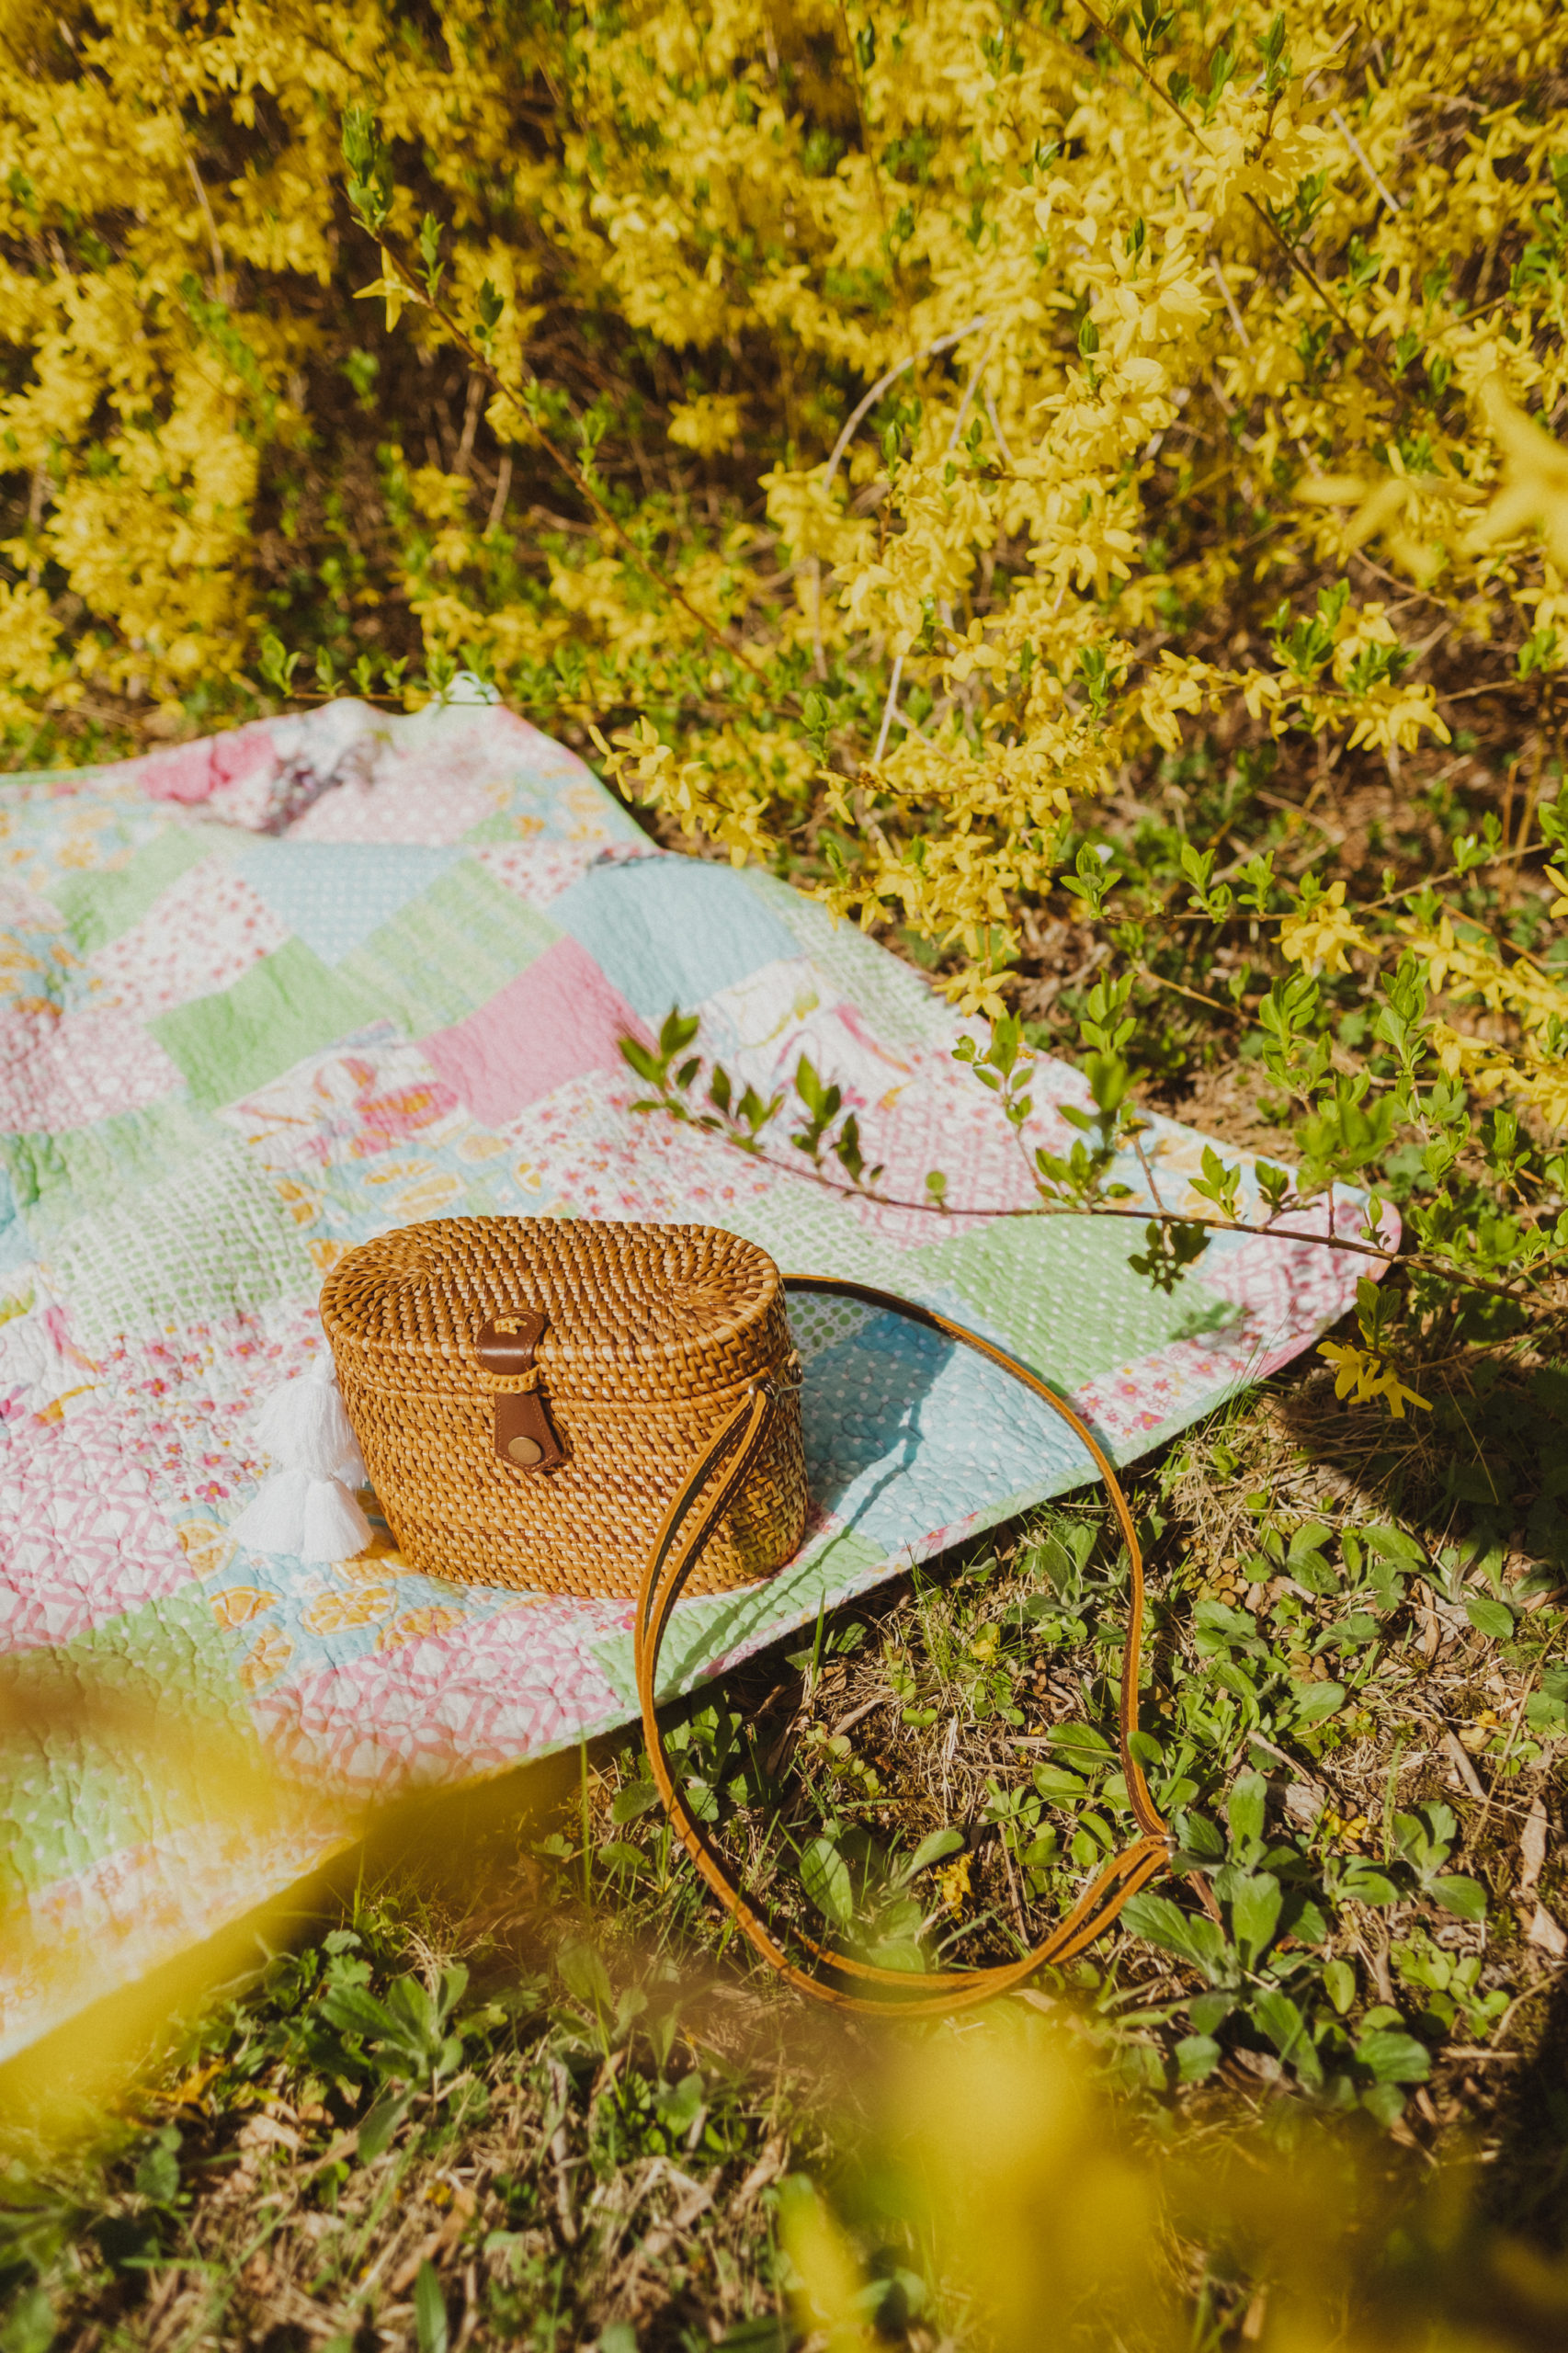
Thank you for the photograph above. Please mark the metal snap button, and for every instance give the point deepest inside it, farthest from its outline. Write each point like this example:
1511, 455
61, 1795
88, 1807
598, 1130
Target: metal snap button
525, 1450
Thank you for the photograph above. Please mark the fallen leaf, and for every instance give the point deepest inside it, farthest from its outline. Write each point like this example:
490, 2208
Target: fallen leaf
266, 2132
1462, 1766
1532, 1847
1545, 1934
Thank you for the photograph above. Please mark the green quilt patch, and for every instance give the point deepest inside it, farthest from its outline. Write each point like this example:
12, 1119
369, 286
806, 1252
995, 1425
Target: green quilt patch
449, 952
212, 1240
107, 1741
289, 1006
98, 907
1061, 1292
58, 1178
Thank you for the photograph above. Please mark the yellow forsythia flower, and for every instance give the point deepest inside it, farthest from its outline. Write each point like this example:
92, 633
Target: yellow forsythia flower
1322, 933
1361, 1375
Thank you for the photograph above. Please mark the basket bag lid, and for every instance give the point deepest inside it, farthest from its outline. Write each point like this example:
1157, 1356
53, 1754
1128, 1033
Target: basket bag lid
632, 1311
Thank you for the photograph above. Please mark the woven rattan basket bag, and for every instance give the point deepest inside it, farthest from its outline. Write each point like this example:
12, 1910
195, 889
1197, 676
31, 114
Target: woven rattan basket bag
528, 1395
614, 1410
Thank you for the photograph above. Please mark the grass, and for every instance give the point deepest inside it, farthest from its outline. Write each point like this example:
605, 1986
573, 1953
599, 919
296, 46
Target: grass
513, 2081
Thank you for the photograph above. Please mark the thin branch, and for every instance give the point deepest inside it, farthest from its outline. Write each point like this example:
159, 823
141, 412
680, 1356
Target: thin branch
1223, 283
1363, 159
1007, 458
888, 710
943, 343
1417, 1261
503, 492
977, 371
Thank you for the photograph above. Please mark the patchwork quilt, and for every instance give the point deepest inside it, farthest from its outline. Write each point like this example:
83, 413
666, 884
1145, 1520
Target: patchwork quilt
265, 995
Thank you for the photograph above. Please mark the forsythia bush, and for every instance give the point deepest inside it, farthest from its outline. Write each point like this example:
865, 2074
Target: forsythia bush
1004, 464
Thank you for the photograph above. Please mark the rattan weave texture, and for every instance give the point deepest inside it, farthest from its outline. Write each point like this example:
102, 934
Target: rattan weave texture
652, 1332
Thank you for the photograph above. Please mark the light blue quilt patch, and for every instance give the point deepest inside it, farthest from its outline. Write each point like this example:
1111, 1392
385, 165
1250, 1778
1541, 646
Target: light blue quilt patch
668, 931
332, 895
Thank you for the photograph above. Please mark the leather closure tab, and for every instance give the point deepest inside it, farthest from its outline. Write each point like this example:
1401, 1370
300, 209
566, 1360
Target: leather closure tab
505, 1343
524, 1439
522, 1435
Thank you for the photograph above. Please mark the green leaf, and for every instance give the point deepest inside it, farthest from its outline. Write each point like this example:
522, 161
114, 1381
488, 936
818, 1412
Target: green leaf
1492, 1618
582, 1973
637, 1797
1394, 2057
1315, 1701
932, 1850
157, 2176
429, 2311
679, 1029
1465, 1897
824, 1875
1365, 1884
1304, 1920
381, 2122
1082, 1740
1353, 1632
1199, 1836
1282, 2022
1196, 2056
1191, 1938
678, 2108
1054, 1782
1308, 1541
1244, 1808
1255, 1903
1395, 1545
1385, 2101
29, 2325
900, 1954
353, 2011
767, 2335
1340, 1984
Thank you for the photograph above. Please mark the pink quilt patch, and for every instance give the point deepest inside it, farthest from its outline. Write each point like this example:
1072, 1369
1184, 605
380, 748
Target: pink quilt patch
585, 1144
415, 808
193, 772
557, 1019
204, 934
539, 870
86, 1539
59, 1071
445, 1707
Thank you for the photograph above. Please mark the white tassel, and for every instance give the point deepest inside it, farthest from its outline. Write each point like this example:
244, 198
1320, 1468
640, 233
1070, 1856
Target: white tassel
304, 1425
306, 1507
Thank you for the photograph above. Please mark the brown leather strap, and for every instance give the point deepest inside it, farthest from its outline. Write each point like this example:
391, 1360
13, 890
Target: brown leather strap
679, 1542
